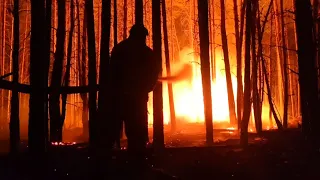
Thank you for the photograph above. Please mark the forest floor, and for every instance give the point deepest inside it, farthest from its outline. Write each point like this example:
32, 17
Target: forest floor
275, 155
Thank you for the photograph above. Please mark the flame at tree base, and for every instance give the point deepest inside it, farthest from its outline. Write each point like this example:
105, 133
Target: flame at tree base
188, 96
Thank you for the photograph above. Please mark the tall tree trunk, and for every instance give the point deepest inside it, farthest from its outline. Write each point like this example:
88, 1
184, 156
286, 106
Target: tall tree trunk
3, 49
138, 11
125, 18
239, 62
247, 82
54, 98
68, 67
232, 108
104, 103
212, 34
83, 77
115, 22
264, 74
38, 80
14, 118
205, 67
158, 136
317, 31
168, 68
284, 67
255, 93
307, 70
92, 74
280, 76
48, 53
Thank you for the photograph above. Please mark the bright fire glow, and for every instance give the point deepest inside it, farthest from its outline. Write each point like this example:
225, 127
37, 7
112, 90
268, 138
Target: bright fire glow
188, 97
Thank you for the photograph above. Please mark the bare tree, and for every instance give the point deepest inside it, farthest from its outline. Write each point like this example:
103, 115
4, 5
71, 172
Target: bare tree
104, 103
56, 120
239, 58
158, 136
168, 67
37, 139
92, 74
14, 115
232, 108
205, 67
125, 18
247, 81
284, 68
308, 79
68, 66
82, 71
115, 22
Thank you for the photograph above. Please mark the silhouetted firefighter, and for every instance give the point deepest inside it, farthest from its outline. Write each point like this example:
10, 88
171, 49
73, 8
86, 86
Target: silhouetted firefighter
133, 74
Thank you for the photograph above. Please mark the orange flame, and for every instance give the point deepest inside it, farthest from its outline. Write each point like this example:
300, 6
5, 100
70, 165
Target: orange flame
188, 96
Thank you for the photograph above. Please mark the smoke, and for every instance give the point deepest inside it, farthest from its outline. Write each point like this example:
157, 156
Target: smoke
184, 74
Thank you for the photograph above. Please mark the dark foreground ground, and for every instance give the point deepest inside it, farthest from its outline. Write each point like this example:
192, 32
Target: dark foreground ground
279, 156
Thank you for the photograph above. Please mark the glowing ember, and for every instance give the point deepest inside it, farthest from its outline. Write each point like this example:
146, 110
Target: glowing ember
63, 143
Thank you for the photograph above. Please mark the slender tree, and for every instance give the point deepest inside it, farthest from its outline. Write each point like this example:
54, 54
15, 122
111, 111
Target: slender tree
48, 51
14, 118
158, 136
104, 64
232, 108
115, 22
92, 74
3, 50
212, 34
56, 120
68, 67
125, 18
284, 67
247, 81
205, 67
82, 74
255, 92
239, 61
168, 67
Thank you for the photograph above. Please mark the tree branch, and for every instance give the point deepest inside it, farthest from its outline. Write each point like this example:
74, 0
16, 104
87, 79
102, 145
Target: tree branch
25, 88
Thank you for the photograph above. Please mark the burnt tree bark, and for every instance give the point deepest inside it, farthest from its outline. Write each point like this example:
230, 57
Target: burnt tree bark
254, 71
307, 70
68, 66
3, 52
37, 137
56, 121
205, 67
115, 23
82, 72
232, 108
212, 36
48, 52
284, 67
168, 68
239, 61
104, 65
92, 76
247, 81
125, 18
14, 114
158, 136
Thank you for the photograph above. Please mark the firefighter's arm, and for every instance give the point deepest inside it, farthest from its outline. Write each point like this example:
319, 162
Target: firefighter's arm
155, 70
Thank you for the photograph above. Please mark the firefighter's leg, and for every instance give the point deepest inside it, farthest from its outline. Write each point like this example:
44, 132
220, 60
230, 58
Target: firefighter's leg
136, 131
